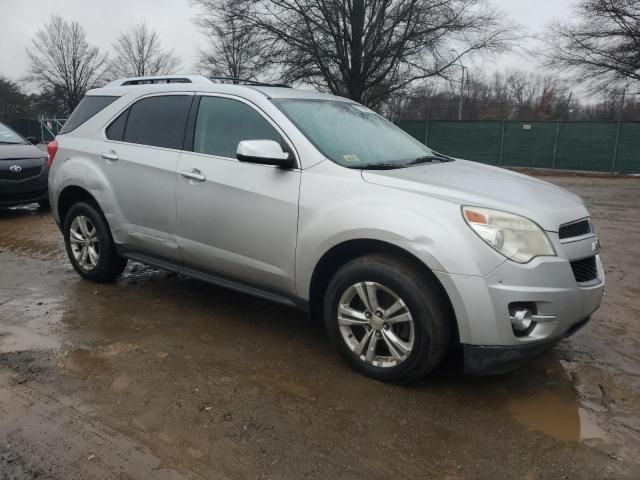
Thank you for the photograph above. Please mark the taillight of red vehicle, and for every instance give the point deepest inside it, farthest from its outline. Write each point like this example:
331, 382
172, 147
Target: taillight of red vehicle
52, 149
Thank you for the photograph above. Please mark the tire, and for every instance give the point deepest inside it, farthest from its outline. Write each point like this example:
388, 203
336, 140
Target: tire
85, 226
420, 340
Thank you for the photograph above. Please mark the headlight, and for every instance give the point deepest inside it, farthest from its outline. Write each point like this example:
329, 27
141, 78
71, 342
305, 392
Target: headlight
515, 237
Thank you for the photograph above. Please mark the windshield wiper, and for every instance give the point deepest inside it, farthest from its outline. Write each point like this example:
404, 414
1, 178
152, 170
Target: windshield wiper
430, 159
435, 157
11, 143
383, 166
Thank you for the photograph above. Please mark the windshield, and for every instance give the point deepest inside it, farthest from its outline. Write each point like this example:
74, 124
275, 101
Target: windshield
352, 135
8, 136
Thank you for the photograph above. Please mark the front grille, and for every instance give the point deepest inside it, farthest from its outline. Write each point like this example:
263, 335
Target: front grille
26, 171
575, 229
585, 270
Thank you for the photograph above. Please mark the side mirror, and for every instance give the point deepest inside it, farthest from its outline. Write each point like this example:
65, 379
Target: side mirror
265, 152
32, 140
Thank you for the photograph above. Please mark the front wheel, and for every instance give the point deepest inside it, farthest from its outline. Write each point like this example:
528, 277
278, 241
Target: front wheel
89, 244
387, 319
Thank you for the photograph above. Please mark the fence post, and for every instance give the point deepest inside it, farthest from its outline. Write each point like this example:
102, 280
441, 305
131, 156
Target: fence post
555, 145
615, 147
500, 160
426, 133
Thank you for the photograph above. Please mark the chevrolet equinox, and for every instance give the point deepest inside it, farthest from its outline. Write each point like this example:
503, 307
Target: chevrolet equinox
315, 201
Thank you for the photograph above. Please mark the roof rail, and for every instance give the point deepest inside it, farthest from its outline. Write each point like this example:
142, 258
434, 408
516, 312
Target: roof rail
248, 82
155, 80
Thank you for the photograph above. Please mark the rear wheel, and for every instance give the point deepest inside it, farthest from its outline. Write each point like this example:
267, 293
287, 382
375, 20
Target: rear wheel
89, 244
388, 320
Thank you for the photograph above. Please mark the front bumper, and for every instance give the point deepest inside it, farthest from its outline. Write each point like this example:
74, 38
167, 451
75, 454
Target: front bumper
482, 306
497, 359
20, 192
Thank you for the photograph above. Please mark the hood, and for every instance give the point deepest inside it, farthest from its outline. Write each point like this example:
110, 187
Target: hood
15, 152
470, 183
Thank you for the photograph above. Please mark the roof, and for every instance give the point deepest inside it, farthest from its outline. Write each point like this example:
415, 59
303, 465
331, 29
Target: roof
199, 83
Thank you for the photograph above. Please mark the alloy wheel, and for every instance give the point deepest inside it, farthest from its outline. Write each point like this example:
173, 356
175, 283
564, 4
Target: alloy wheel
85, 244
376, 324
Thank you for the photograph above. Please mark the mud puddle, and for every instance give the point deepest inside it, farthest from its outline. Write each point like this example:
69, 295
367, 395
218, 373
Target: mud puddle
556, 415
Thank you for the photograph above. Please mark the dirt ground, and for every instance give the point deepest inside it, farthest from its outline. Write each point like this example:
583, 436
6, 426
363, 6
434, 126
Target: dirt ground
159, 376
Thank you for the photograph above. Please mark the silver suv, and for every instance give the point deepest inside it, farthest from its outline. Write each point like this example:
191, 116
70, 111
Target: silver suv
317, 202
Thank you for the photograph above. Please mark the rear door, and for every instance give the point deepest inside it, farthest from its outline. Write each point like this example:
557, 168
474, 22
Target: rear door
234, 218
140, 159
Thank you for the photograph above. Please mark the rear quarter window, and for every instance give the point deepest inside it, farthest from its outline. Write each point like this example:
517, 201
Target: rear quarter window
87, 108
115, 131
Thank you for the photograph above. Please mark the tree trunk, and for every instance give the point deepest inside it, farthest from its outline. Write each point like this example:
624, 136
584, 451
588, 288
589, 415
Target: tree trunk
356, 82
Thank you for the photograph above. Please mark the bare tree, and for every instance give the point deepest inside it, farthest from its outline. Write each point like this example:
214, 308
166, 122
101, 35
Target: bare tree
236, 49
516, 95
536, 97
602, 48
139, 53
367, 49
61, 59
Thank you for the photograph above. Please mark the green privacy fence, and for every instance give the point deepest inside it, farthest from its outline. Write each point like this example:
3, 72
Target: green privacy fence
592, 146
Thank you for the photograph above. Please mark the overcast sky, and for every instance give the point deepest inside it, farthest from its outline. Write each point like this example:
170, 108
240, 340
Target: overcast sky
104, 20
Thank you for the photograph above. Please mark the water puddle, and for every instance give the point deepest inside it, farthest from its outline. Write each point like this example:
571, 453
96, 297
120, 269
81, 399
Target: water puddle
83, 361
548, 412
32, 233
17, 339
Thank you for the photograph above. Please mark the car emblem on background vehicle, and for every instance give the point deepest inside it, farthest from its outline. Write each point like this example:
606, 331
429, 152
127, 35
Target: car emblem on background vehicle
15, 168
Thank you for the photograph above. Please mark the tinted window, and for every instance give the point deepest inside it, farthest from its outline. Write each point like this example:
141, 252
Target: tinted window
115, 131
158, 121
222, 123
86, 109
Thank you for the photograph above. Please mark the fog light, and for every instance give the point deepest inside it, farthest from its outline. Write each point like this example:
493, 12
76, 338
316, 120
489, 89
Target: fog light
522, 320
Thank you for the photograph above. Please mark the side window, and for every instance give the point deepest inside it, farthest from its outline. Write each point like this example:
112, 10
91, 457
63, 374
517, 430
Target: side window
158, 121
115, 131
222, 123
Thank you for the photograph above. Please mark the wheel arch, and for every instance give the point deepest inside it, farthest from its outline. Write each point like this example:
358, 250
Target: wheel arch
71, 195
340, 254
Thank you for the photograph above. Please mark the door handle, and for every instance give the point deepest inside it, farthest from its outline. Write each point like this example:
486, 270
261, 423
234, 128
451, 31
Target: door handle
193, 174
111, 156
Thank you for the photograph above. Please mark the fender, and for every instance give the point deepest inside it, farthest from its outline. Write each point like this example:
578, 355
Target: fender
430, 229
77, 170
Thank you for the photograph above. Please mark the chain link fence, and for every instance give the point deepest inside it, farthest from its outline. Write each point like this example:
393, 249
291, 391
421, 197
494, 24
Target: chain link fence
591, 146
44, 129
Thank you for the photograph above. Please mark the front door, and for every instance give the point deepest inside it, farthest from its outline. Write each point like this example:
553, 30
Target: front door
236, 219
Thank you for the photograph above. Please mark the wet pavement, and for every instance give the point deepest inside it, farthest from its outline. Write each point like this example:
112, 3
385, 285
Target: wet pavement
160, 376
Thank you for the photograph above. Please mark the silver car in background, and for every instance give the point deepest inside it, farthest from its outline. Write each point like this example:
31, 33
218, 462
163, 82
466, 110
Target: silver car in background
317, 202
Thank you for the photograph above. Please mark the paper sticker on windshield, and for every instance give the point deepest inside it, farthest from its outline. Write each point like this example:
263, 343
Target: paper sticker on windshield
350, 158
